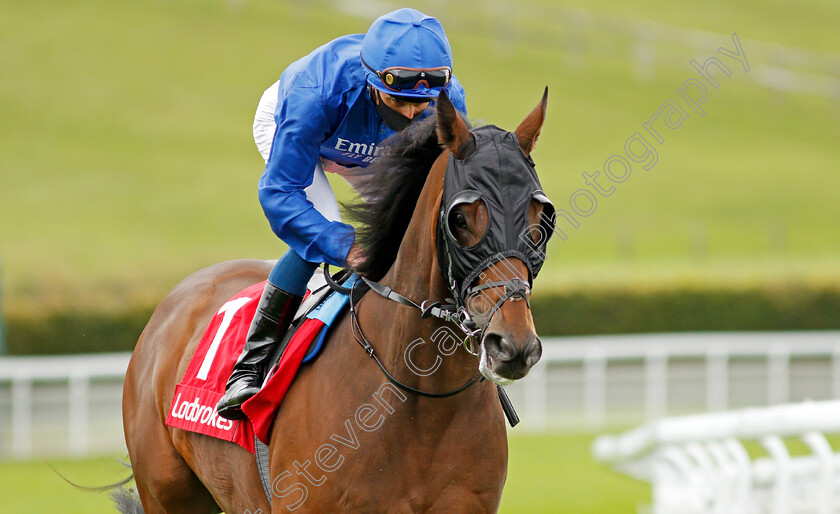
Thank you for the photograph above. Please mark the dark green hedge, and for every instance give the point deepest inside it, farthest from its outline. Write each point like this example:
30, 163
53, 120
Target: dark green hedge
75, 332
578, 313
613, 312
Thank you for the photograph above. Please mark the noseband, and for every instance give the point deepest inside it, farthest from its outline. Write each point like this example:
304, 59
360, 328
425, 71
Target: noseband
453, 312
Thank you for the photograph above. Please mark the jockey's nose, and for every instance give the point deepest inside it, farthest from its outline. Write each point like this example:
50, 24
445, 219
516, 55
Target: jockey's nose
412, 110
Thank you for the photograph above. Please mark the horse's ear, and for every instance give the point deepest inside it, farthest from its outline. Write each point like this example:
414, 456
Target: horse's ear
452, 132
529, 130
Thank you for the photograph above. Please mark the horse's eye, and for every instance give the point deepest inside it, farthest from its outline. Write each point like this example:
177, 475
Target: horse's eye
460, 220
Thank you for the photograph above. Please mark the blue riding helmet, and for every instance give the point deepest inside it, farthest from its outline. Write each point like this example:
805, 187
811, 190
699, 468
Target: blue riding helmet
405, 53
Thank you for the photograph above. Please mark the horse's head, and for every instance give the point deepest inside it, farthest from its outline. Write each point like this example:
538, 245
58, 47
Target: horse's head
493, 224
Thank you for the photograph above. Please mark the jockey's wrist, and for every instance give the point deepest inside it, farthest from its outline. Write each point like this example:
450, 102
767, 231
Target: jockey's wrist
355, 256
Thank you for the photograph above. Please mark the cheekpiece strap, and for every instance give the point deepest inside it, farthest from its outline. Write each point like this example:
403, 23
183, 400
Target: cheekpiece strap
446, 312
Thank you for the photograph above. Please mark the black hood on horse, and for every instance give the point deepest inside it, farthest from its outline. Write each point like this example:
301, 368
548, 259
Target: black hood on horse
499, 173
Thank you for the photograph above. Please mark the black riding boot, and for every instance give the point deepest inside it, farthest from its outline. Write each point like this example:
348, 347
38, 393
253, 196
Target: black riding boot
274, 314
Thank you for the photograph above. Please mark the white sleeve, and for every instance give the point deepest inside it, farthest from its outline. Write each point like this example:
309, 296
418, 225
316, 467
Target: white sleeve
264, 124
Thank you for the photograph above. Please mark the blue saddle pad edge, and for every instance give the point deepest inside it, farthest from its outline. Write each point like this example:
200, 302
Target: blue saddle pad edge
326, 312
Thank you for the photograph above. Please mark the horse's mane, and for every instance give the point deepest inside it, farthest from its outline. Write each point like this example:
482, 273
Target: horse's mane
397, 178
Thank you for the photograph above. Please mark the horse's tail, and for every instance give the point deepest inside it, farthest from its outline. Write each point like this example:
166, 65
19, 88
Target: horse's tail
127, 501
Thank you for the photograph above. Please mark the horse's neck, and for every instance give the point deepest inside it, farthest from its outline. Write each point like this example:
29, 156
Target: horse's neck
403, 333
425, 354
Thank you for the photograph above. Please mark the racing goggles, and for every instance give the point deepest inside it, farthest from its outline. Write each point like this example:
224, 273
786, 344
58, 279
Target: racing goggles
399, 79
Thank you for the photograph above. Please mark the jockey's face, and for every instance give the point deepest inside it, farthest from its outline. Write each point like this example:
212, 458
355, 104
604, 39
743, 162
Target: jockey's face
407, 109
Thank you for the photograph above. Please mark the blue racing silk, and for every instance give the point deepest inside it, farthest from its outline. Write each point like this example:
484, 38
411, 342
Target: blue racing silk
323, 110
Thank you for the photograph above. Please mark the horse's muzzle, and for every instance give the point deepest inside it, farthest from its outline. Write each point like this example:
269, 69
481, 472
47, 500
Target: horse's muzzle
502, 360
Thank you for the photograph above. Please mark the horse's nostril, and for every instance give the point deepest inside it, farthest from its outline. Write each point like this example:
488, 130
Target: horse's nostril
499, 347
533, 351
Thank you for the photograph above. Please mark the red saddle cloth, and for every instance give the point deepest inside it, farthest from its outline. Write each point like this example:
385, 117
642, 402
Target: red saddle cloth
194, 404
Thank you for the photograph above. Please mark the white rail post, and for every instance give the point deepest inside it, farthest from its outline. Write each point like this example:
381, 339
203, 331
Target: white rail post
656, 383
778, 375
819, 446
728, 477
781, 488
536, 397
835, 372
21, 416
717, 380
595, 390
688, 472
743, 477
79, 402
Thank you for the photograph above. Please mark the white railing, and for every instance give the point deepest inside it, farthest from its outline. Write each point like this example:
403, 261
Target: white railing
77, 396
700, 464
595, 382
71, 404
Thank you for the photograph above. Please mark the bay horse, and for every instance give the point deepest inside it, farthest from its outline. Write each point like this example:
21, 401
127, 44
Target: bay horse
345, 439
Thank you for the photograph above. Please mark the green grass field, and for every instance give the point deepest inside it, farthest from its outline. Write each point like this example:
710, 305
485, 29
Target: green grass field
547, 474
128, 160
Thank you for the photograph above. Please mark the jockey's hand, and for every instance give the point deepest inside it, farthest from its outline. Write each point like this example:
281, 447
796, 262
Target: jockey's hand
355, 256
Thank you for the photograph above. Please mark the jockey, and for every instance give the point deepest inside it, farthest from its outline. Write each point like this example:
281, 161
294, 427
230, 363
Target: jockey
329, 112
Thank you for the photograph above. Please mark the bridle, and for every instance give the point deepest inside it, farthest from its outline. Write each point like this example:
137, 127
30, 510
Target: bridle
498, 172
449, 312
453, 312
389, 293
445, 312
